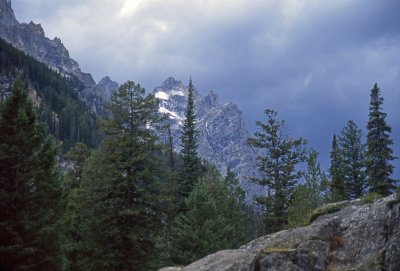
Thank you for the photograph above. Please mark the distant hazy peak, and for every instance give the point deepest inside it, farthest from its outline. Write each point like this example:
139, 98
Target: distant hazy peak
171, 83
108, 83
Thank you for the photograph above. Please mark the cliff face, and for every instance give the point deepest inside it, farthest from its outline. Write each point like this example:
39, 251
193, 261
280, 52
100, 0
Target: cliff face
357, 237
31, 39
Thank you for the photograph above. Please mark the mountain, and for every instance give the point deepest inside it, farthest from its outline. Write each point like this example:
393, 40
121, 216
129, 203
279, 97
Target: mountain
58, 105
31, 39
350, 235
96, 96
222, 131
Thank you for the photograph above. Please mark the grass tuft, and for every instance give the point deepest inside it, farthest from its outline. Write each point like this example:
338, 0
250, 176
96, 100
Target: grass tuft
370, 198
328, 209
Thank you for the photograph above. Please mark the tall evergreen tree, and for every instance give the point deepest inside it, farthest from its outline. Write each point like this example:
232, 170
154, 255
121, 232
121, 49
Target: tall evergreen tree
168, 197
120, 180
278, 167
353, 158
191, 163
30, 189
338, 185
216, 218
74, 246
379, 153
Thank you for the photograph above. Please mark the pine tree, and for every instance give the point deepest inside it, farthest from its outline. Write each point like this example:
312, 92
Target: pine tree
353, 158
379, 153
73, 221
120, 182
167, 198
310, 194
30, 189
338, 185
278, 166
216, 218
191, 163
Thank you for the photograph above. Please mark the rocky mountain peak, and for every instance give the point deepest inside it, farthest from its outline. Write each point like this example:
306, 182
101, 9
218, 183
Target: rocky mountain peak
171, 83
96, 96
108, 83
30, 38
222, 132
37, 29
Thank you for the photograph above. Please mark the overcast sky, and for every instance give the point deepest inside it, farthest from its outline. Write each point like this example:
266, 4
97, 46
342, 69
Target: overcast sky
313, 61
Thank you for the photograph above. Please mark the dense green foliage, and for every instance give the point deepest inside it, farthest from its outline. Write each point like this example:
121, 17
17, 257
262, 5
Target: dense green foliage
66, 117
278, 167
353, 160
308, 195
30, 189
190, 169
74, 217
347, 170
216, 218
379, 153
120, 185
338, 189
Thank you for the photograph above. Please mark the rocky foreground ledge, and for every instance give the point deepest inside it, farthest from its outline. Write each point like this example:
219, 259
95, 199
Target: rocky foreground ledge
350, 235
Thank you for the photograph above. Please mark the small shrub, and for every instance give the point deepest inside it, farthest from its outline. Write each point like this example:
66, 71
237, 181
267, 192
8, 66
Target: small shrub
328, 209
370, 198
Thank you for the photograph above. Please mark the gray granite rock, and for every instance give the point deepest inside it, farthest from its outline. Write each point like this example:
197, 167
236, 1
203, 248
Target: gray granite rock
100, 94
358, 237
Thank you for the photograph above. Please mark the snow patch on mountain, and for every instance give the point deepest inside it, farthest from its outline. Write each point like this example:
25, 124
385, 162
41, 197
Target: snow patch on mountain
171, 114
162, 95
177, 93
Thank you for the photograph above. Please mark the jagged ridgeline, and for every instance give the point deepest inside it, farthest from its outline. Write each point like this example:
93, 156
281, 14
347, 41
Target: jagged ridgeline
55, 97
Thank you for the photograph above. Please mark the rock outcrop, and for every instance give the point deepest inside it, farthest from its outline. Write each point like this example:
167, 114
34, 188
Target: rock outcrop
222, 131
96, 96
359, 237
30, 38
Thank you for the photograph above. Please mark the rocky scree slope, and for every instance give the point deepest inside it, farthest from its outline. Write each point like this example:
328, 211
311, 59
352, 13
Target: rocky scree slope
359, 237
222, 131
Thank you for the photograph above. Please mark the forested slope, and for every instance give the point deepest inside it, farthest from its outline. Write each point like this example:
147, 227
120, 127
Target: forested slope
56, 97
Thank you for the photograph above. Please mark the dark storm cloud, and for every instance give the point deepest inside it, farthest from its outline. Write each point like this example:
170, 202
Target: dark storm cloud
312, 61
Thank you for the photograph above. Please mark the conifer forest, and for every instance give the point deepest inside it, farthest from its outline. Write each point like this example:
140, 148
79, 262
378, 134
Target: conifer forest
83, 192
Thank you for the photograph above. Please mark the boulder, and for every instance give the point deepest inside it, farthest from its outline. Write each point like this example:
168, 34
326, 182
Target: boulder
360, 236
